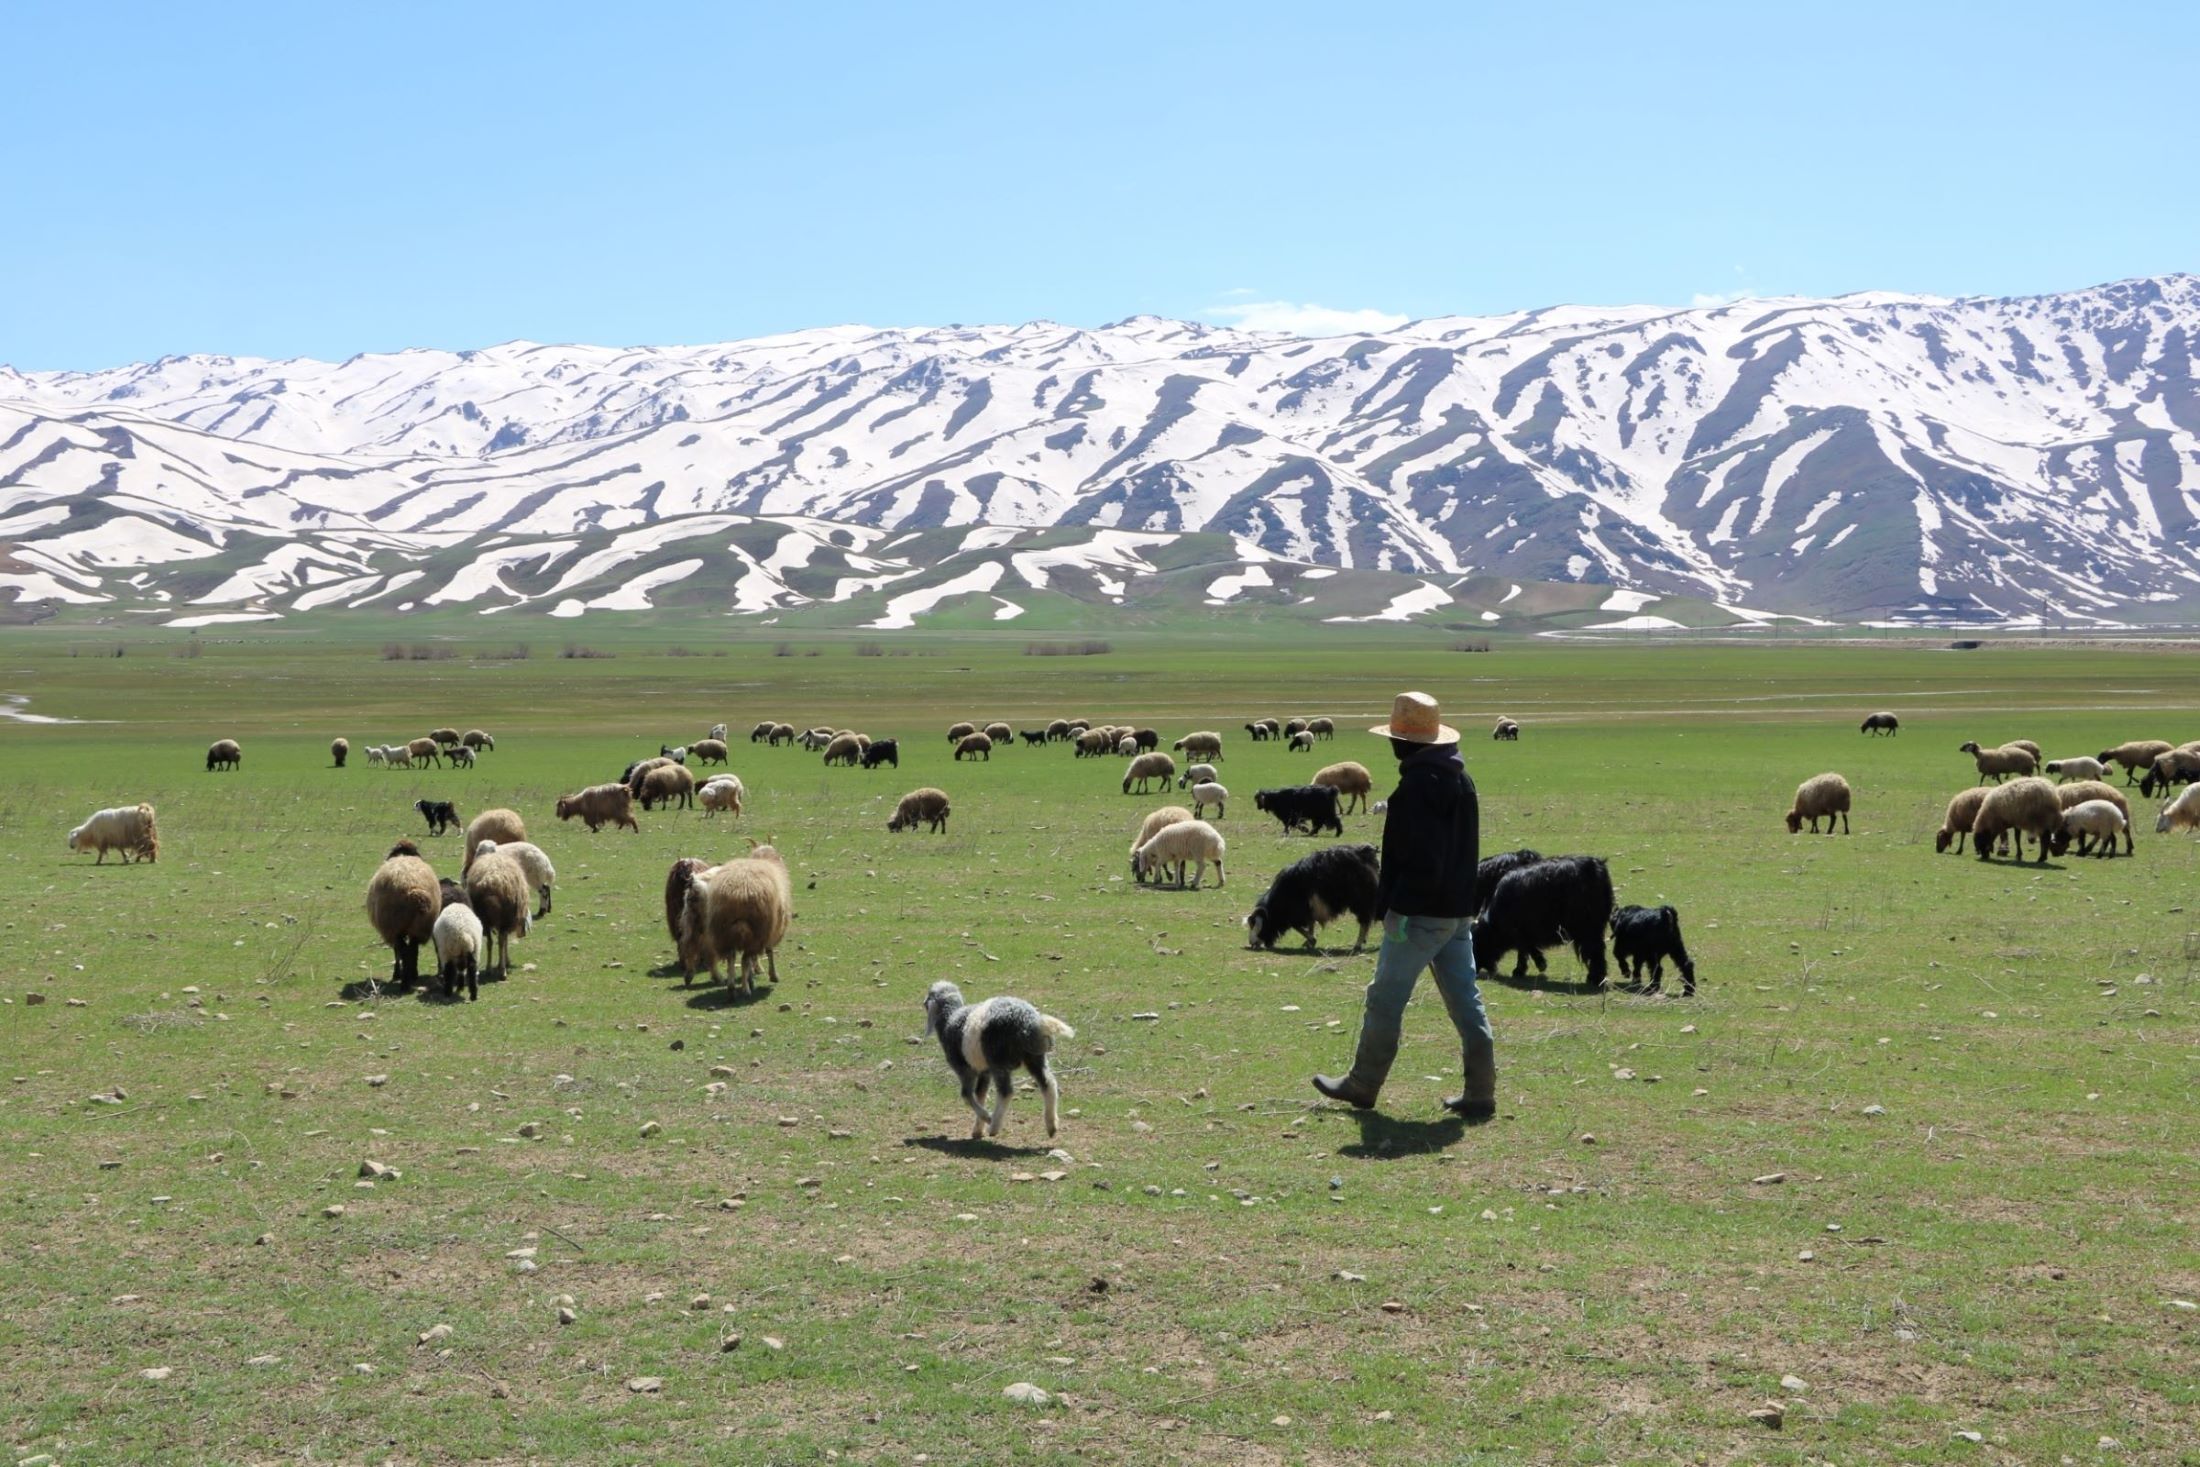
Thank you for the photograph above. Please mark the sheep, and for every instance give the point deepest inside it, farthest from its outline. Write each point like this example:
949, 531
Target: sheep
843, 750
1196, 774
454, 895
1349, 779
633, 775
1033, 737
1209, 793
815, 739
722, 796
1296, 725
2080, 791
1179, 844
441, 815
1204, 744
496, 888
2178, 766
677, 756
1962, 813
426, 751
600, 805
1822, 796
1541, 905
2094, 823
2066, 770
984, 1043
1093, 743
745, 907
1881, 723
2134, 756
1999, 764
1000, 733
1506, 731
1644, 937
2027, 745
1316, 888
396, 756
541, 875
663, 785
478, 741
1301, 742
1153, 825
927, 805
782, 733
2182, 813
1492, 869
1148, 767
757, 735
224, 754
457, 938
960, 732
340, 750
444, 735
2024, 806
1257, 732
1057, 731
1322, 728
376, 754
1311, 805
129, 829
460, 756
1147, 739
976, 746
680, 899
501, 826
882, 751
403, 900
1126, 747
710, 751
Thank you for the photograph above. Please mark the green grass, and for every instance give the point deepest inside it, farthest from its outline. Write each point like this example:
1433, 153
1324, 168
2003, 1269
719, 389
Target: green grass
2010, 1229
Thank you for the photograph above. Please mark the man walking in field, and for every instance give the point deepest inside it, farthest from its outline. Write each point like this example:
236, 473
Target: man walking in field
1431, 843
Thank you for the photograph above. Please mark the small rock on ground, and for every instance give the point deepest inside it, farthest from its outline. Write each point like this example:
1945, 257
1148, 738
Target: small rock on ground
1025, 1393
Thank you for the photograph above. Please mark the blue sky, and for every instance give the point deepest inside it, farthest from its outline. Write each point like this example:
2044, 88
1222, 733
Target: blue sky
306, 179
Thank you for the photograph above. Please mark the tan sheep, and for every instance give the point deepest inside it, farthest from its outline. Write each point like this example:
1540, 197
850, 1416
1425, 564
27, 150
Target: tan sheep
1000, 733
1206, 744
2135, 755
1999, 764
496, 888
339, 750
1152, 826
2081, 791
2026, 806
2178, 766
1179, 845
844, 748
1821, 797
224, 754
2027, 745
708, 751
600, 805
129, 829
477, 741
444, 735
961, 731
425, 751
782, 733
1349, 779
927, 806
2182, 813
1956, 823
1321, 728
403, 898
1093, 742
669, 782
976, 746
498, 825
721, 796
1147, 768
747, 904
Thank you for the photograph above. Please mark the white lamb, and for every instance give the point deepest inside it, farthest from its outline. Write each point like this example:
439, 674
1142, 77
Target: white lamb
721, 794
376, 754
397, 756
2095, 822
718, 731
1179, 845
1206, 793
457, 935
1197, 774
2182, 813
2066, 770
460, 756
541, 875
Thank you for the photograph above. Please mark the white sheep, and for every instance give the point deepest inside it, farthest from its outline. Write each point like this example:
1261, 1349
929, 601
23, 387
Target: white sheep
131, 830
1301, 742
457, 934
2066, 770
1126, 747
722, 794
2095, 823
2182, 813
1208, 793
1179, 845
718, 732
397, 756
1196, 774
376, 754
460, 756
541, 875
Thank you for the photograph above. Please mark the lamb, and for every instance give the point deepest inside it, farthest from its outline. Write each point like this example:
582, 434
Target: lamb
441, 815
927, 805
985, 1042
718, 732
376, 754
541, 875
1154, 824
501, 826
1317, 888
1962, 813
1146, 768
976, 746
1204, 744
496, 888
600, 805
1321, 728
1999, 764
722, 796
2178, 766
815, 738
2025, 806
396, 756
2080, 791
2134, 756
677, 756
2182, 813
426, 751
1311, 805
457, 937
454, 895
460, 756
129, 829
1127, 747
444, 735
1349, 779
1506, 731
1301, 742
1821, 797
478, 741
745, 907
1644, 937
2066, 770
844, 749
999, 733
1179, 844
224, 754
2094, 823
1209, 793
1562, 899
403, 899
1196, 774
710, 751
961, 731
663, 785
340, 750
1877, 723
761, 733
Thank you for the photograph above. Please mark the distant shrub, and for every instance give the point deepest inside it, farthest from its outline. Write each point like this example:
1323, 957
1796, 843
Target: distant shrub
1472, 644
416, 652
1067, 649
190, 649
578, 653
784, 649
517, 652
682, 652
869, 649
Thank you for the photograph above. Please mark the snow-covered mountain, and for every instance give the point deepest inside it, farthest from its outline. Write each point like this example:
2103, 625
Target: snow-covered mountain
1869, 456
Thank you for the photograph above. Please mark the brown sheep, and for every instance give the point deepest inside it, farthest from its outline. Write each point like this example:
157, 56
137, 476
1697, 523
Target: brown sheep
1999, 764
1057, 730
444, 736
639, 770
340, 750
2078, 791
844, 749
1000, 733
1202, 745
1093, 742
960, 732
477, 741
1349, 779
679, 897
1956, 823
663, 785
224, 754
2135, 755
1322, 728
2178, 766
425, 750
1152, 826
600, 805
501, 826
2026, 806
1296, 725
497, 890
2027, 745
782, 733
708, 751
403, 898
927, 805
1149, 767
1821, 797
977, 746
747, 904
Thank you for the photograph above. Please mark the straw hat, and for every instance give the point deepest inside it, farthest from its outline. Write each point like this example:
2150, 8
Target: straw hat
1413, 718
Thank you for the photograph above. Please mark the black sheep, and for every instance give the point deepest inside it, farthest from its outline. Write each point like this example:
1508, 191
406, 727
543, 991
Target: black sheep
1489, 872
1147, 740
1311, 805
441, 815
1644, 937
1319, 887
1565, 899
882, 751
1033, 737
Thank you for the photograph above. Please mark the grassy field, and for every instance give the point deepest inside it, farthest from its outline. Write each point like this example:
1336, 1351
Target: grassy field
1976, 1082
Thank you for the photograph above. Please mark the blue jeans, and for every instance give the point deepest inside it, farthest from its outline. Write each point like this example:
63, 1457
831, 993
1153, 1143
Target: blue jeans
1411, 944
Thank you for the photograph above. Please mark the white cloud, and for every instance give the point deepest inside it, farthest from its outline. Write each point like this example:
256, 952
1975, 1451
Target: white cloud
1302, 318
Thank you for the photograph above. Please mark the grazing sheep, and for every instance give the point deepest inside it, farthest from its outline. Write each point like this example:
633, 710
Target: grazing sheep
460, 756
1962, 813
376, 754
2095, 824
745, 908
1092, 743
1257, 732
2182, 813
1874, 723
541, 875
478, 741
1146, 768
1147, 739
760, 733
425, 751
1058, 731
501, 826
844, 750
961, 731
1349, 779
496, 888
1127, 747
403, 899
1999, 764
882, 751
1203, 745
224, 754
722, 795
1301, 742
1644, 937
1196, 774
600, 805
710, 751
782, 733
2066, 770
976, 746
1319, 887
2134, 756
2178, 766
1000, 733
1179, 844
1295, 726
1209, 793
1321, 728
1492, 869
2027, 745
666, 784
1153, 825
457, 938
1565, 899
441, 815
340, 750
814, 739
927, 805
1821, 797
985, 1042
129, 829
638, 771
2026, 806
1506, 731
681, 898
1311, 805
2078, 792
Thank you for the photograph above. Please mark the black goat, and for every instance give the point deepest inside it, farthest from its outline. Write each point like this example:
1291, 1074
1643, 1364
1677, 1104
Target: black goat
1032, 737
441, 815
1644, 937
1565, 899
1319, 887
882, 751
1311, 805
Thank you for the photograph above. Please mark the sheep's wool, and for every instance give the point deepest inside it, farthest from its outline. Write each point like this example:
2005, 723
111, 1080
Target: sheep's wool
973, 1035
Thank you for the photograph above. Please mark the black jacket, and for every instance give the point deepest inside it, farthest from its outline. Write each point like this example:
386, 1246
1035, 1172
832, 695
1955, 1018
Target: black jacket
1432, 837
